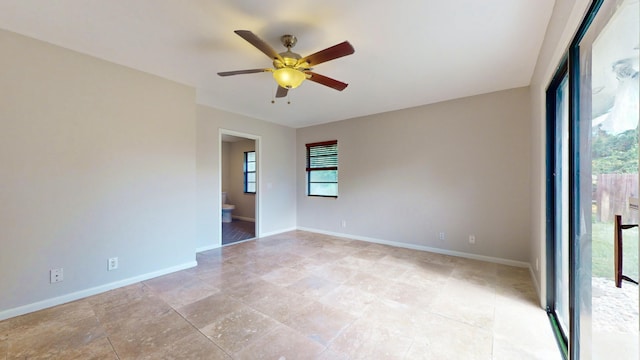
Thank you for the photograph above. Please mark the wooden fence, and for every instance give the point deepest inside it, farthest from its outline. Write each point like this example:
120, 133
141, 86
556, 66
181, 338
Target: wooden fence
612, 192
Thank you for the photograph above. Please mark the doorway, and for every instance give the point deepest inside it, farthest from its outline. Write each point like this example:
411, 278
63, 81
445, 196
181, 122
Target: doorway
239, 164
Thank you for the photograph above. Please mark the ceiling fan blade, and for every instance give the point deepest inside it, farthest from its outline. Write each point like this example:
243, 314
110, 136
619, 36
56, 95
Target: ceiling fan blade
281, 92
238, 72
327, 81
334, 52
259, 44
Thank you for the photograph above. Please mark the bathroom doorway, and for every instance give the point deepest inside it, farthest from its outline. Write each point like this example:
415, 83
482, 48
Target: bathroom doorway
238, 187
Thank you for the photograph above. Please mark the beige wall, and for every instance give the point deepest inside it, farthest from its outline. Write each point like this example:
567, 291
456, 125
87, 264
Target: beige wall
98, 161
460, 167
276, 148
564, 22
245, 203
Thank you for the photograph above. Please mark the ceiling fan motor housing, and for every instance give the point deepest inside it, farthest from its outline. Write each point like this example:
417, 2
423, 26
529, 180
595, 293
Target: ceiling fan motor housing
288, 41
289, 58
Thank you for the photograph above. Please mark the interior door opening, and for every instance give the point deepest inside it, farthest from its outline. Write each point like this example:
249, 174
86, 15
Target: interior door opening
238, 187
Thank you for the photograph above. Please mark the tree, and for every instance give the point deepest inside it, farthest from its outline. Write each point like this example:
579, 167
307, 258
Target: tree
614, 154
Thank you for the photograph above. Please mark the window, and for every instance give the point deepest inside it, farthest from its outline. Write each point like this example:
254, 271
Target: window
250, 172
322, 169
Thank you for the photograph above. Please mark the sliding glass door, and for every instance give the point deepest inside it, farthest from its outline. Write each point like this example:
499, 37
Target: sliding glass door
607, 92
592, 178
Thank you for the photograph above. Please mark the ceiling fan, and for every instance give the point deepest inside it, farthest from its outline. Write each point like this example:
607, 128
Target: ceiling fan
290, 69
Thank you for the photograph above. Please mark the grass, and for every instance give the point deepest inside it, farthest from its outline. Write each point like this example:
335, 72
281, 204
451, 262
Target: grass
602, 251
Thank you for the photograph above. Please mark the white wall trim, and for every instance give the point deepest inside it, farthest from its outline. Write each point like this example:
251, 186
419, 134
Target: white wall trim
240, 241
491, 259
243, 218
277, 232
207, 247
59, 300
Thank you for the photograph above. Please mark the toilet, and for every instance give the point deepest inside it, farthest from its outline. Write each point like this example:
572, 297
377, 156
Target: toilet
226, 209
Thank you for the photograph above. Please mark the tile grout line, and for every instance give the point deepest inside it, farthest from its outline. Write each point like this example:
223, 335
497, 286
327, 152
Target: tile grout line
113, 347
198, 330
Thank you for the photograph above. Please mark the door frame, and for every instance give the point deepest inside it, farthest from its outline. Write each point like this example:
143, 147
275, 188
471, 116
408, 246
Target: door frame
258, 195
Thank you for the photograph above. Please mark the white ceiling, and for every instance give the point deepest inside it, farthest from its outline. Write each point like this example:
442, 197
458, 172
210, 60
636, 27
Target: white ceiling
408, 52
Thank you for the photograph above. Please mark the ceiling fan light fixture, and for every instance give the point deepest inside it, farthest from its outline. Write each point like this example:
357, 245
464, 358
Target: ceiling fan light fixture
289, 78
290, 69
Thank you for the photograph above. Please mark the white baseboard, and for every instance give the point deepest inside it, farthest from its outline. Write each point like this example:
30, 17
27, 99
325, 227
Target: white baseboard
207, 247
243, 218
240, 241
491, 259
277, 232
59, 300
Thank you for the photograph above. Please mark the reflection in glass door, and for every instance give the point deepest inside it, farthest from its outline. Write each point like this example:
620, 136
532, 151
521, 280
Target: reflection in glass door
592, 178
608, 149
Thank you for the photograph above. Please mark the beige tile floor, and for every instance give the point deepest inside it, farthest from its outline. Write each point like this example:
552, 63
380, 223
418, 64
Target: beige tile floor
300, 295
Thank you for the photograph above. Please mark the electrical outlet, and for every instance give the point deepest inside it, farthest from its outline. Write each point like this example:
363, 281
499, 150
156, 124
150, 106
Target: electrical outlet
112, 264
441, 236
472, 239
56, 275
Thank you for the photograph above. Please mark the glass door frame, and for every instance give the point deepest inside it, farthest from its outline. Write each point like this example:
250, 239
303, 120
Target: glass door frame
553, 215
